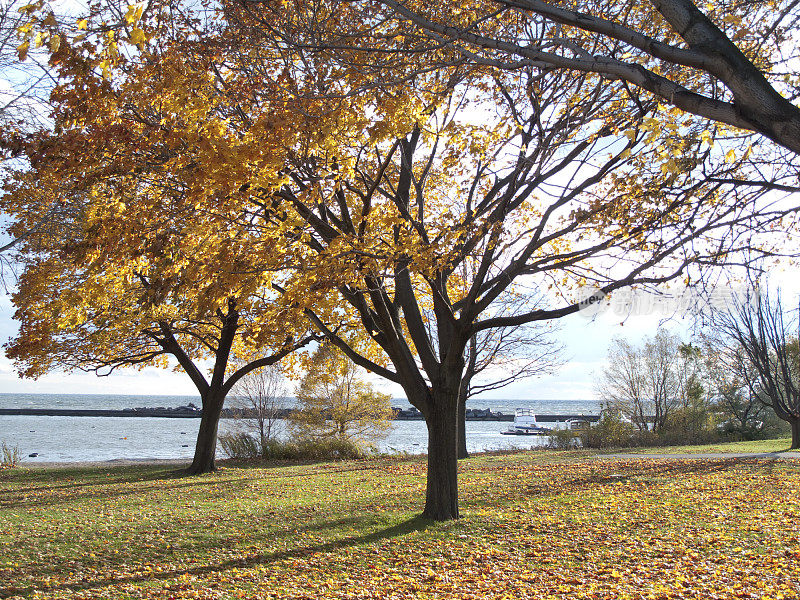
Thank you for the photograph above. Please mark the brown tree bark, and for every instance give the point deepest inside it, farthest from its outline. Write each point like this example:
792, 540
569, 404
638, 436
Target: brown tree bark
795, 434
462, 426
206, 446
441, 500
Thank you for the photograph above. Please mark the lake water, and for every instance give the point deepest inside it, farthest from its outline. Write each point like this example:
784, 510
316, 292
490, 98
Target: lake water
75, 439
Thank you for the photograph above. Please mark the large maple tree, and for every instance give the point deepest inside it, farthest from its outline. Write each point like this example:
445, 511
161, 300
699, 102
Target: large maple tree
146, 261
532, 178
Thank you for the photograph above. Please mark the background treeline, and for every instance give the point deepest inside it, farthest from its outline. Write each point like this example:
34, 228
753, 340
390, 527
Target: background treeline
339, 413
737, 381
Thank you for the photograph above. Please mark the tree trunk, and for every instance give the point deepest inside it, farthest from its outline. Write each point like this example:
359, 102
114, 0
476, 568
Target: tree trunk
206, 447
441, 501
462, 426
795, 434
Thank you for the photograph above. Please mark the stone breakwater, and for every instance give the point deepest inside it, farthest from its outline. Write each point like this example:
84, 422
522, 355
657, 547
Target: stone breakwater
192, 412
180, 412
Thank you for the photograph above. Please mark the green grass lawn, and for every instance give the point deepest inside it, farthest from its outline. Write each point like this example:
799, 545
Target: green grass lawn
535, 525
756, 447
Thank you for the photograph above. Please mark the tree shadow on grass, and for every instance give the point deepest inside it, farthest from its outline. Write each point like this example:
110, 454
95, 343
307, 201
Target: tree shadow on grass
778, 454
28, 497
63, 489
603, 474
109, 475
328, 464
193, 543
92, 475
403, 528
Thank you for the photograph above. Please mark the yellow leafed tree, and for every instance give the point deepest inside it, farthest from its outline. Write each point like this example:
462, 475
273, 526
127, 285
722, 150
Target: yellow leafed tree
334, 401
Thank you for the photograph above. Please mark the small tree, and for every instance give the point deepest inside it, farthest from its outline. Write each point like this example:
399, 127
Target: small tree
758, 327
259, 396
732, 379
649, 383
611, 431
689, 374
336, 403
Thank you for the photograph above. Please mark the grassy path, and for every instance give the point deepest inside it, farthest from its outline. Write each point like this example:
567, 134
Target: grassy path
536, 525
779, 445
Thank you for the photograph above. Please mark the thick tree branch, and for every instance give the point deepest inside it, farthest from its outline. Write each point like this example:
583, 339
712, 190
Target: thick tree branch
172, 346
265, 362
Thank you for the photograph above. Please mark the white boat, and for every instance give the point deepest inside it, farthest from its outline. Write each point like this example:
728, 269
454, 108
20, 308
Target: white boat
525, 424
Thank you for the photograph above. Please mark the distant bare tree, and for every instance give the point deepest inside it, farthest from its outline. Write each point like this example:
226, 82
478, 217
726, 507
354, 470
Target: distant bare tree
661, 356
645, 383
497, 358
622, 387
757, 325
732, 380
259, 394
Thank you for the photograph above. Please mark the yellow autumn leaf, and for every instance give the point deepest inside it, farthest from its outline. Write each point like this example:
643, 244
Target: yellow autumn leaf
22, 50
137, 36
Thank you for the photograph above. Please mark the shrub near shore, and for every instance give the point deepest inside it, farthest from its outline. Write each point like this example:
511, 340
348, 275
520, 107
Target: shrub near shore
244, 446
9, 456
536, 525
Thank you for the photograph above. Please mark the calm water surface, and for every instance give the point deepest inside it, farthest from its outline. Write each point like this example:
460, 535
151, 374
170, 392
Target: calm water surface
73, 439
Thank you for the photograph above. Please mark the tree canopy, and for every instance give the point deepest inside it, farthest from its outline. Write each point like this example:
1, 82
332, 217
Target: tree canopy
733, 63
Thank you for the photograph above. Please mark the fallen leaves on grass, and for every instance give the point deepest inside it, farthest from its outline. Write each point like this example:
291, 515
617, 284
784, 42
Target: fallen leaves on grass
638, 529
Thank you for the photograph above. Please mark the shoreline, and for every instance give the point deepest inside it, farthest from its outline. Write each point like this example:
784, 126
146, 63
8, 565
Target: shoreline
588, 453
114, 462
232, 413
